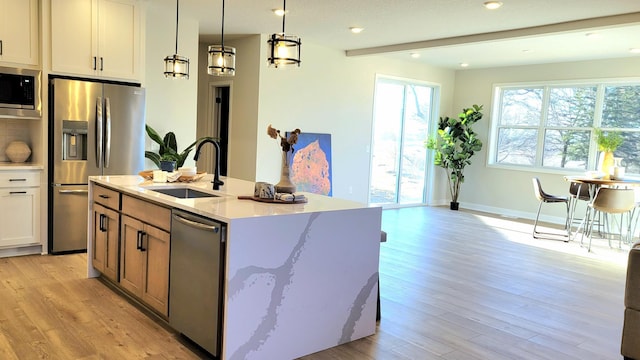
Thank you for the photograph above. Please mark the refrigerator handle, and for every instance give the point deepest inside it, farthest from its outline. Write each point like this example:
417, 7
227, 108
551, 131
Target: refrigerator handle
107, 132
99, 135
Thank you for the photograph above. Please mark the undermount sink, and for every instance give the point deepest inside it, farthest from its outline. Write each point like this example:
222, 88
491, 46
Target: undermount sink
184, 193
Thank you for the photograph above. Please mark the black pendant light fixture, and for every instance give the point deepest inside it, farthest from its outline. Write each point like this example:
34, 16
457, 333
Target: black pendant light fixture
176, 66
222, 59
284, 50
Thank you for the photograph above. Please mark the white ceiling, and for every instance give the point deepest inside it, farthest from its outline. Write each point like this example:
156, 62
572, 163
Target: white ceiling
444, 32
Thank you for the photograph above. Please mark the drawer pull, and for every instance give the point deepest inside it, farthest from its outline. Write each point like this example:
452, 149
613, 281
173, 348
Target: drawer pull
103, 196
17, 192
12, 180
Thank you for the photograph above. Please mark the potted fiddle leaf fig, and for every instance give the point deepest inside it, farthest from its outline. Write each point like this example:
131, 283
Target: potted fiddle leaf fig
454, 145
167, 157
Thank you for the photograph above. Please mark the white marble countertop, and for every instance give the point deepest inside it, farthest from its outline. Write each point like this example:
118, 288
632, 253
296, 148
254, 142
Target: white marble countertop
5, 165
227, 206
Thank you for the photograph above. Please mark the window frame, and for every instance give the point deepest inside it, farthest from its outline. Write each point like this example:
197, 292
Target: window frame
541, 127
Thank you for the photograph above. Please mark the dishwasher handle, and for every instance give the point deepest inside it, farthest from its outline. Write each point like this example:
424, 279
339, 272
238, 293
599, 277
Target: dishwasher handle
196, 224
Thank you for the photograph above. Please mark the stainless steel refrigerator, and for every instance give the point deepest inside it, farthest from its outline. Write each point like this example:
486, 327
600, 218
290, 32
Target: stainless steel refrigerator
95, 128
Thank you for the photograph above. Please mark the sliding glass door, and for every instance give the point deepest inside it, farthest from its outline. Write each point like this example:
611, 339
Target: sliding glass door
401, 117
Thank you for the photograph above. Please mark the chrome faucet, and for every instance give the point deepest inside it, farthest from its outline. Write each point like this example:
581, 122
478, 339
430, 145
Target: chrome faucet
216, 166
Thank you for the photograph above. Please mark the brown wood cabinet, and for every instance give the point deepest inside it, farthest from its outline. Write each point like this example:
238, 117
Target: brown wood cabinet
145, 251
105, 232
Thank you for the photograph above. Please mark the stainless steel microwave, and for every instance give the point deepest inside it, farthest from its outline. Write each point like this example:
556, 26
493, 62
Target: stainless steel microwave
20, 93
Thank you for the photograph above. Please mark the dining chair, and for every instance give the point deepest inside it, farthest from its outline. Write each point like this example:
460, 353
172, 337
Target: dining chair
544, 197
610, 201
577, 192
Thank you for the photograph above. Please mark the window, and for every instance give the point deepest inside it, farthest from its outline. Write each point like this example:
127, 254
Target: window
550, 126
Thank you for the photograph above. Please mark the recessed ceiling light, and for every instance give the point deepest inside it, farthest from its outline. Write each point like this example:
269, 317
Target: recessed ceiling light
464, 65
415, 55
634, 50
492, 5
279, 12
356, 29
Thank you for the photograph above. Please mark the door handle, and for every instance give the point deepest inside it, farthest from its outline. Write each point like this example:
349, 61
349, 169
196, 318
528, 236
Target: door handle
107, 132
73, 191
17, 192
11, 180
99, 135
95, 63
101, 63
196, 224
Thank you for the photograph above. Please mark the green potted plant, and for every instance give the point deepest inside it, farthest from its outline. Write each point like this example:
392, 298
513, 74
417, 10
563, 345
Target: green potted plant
454, 145
607, 142
168, 158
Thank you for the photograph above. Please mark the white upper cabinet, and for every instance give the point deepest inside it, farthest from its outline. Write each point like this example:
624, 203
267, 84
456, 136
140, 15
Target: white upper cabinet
96, 38
19, 32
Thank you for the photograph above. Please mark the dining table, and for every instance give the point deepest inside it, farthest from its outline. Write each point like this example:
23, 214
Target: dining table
594, 183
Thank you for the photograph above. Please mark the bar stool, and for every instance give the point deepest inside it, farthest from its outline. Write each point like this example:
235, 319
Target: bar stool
383, 238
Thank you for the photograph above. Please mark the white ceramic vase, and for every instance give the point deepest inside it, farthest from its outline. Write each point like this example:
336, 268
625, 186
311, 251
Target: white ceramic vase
18, 151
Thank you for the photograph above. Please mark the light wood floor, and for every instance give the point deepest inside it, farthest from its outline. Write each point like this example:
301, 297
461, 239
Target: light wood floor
455, 285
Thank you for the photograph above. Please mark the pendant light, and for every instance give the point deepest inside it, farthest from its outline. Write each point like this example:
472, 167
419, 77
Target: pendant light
222, 59
176, 66
284, 50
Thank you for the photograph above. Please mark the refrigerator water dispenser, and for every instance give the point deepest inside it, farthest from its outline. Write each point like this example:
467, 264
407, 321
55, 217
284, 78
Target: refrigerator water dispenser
74, 140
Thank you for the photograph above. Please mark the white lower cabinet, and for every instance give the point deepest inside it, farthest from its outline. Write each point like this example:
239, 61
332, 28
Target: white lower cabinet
20, 208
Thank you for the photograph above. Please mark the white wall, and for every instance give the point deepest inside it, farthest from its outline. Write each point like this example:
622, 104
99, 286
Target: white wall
243, 110
331, 93
511, 191
171, 103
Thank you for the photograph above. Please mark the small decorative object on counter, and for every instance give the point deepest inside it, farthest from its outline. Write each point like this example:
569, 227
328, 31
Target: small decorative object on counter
168, 165
159, 176
264, 190
18, 151
285, 185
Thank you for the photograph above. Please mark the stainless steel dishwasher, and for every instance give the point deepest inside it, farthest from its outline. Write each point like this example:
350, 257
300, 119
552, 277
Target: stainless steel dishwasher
195, 280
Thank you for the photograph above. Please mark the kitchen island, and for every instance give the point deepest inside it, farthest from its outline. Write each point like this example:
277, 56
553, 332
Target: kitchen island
297, 278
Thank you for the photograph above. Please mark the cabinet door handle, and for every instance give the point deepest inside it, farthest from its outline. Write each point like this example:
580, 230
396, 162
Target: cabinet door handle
17, 192
0, 47
95, 63
103, 223
11, 180
142, 248
101, 63
140, 240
